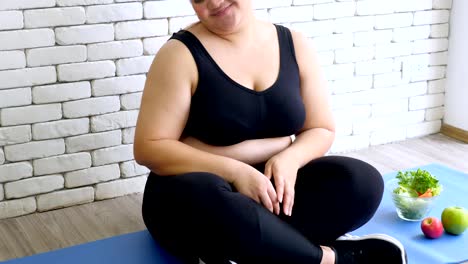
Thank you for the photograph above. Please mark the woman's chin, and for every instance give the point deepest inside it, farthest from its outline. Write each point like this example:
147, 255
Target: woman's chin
226, 26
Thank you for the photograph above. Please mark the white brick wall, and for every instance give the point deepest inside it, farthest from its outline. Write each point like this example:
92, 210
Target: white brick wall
84, 34
369, 7
67, 198
30, 114
393, 20
11, 20
131, 101
292, 14
15, 135
375, 67
93, 141
120, 187
334, 10
92, 175
117, 120
92, 106
431, 17
61, 92
430, 45
112, 155
387, 135
177, 23
152, 45
62, 128
72, 74
384, 122
12, 59
434, 114
437, 86
32, 186
128, 135
113, 13
27, 77
395, 106
35, 150
335, 41
141, 29
353, 24
442, 4
25, 4
115, 50
55, 55
15, 97
131, 169
315, 28
421, 129
411, 33
85, 71
415, 5
62, 163
163, 9
17, 207
440, 30
52, 17
23, 39
134, 65
15, 171
119, 85
373, 37
82, 2
2, 156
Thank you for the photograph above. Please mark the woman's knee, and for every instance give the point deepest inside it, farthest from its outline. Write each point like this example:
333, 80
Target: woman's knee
364, 186
358, 182
352, 171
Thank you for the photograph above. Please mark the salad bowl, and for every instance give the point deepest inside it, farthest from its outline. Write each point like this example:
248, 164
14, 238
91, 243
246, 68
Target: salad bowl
414, 194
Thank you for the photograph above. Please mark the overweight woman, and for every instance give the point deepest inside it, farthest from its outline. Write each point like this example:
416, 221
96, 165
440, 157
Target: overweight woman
235, 125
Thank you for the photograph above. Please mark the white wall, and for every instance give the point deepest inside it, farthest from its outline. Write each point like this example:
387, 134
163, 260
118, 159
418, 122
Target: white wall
456, 100
72, 72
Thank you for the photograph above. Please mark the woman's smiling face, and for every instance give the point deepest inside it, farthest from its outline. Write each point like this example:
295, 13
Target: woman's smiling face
222, 16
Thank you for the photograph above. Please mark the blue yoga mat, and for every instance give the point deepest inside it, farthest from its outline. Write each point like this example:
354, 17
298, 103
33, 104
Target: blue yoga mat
133, 248
140, 248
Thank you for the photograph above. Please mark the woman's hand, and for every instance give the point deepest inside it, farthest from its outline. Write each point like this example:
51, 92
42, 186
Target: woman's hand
284, 172
255, 185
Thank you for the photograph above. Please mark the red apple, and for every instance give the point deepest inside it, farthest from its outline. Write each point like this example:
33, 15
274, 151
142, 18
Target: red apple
432, 227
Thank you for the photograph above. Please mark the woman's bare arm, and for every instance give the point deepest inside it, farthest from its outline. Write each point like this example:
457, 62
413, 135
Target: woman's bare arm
163, 114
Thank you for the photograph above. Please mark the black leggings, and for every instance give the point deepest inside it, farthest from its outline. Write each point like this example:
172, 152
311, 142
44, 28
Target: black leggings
200, 215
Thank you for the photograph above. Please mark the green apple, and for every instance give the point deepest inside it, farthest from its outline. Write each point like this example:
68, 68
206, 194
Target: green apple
455, 219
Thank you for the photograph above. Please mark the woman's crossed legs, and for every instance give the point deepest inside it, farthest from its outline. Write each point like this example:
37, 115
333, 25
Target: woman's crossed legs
200, 215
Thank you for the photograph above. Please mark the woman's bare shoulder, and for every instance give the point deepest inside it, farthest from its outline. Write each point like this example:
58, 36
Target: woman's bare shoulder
174, 60
306, 52
173, 51
300, 40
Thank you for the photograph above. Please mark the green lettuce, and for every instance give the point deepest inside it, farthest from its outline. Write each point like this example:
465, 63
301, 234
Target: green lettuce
411, 184
418, 181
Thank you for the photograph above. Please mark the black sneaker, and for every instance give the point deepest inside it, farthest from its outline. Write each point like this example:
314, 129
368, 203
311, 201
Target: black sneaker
369, 249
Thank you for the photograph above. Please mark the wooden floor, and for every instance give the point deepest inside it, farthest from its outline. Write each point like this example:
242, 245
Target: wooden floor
36, 233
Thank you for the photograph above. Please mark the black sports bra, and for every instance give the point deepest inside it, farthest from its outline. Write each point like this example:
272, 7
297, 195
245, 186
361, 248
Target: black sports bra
223, 112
